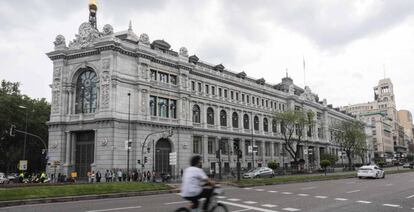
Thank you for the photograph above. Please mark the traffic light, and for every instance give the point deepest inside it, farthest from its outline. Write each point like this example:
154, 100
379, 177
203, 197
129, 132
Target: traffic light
145, 159
12, 130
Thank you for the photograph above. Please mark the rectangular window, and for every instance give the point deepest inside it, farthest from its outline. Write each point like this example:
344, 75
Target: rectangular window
211, 145
207, 89
173, 108
153, 105
213, 90
225, 93
320, 133
199, 86
163, 77
246, 147
173, 79
197, 145
252, 99
193, 85
220, 92
257, 101
224, 146
153, 74
248, 99
267, 103
262, 102
267, 149
242, 97
231, 94
162, 107
276, 150
237, 96
259, 148
318, 115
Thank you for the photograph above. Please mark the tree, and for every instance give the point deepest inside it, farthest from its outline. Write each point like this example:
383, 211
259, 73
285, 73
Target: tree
11, 147
330, 157
293, 127
272, 164
351, 137
324, 164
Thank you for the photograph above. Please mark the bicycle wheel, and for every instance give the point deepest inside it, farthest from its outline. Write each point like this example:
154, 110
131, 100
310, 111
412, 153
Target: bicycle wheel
220, 207
183, 209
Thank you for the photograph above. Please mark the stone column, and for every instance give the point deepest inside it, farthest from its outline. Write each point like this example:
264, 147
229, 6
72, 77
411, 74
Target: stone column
263, 153
205, 149
67, 153
217, 117
243, 158
272, 151
70, 103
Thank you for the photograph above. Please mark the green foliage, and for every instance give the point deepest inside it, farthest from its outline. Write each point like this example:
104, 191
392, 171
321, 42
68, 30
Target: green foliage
325, 163
11, 148
351, 137
272, 164
330, 157
19, 193
381, 163
410, 157
294, 124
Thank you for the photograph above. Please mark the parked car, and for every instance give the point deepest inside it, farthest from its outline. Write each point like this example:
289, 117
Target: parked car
259, 172
408, 165
370, 171
3, 178
13, 178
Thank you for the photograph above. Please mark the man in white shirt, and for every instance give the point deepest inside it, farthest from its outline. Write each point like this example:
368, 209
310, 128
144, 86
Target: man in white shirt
193, 180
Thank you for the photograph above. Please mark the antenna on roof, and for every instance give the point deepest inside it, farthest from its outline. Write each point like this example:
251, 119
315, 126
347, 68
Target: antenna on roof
287, 75
304, 72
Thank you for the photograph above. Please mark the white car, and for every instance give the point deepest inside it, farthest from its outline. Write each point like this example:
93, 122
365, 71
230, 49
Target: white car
370, 171
3, 178
259, 172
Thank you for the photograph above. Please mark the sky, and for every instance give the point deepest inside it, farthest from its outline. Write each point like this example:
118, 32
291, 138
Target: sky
347, 45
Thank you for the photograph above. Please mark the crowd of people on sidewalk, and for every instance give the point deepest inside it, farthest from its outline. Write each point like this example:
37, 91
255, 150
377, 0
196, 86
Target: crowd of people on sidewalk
119, 175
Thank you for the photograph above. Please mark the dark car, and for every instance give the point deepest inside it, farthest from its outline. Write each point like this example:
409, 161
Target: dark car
408, 165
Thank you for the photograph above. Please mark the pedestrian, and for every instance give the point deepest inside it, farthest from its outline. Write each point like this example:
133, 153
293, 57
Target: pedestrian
113, 174
93, 176
181, 173
107, 176
119, 175
144, 177
98, 176
149, 176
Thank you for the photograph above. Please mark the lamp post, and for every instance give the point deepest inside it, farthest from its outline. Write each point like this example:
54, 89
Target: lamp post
25, 130
129, 123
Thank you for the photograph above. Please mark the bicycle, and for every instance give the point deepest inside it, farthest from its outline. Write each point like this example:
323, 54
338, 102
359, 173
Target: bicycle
214, 205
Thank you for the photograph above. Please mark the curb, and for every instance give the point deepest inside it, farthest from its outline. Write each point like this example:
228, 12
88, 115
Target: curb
85, 197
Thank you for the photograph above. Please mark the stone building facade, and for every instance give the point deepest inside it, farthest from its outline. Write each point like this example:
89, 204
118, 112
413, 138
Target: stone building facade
108, 87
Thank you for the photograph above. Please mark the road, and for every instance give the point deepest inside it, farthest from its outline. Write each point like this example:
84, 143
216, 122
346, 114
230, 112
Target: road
394, 193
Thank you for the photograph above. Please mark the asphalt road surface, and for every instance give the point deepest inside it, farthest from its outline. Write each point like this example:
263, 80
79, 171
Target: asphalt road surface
394, 193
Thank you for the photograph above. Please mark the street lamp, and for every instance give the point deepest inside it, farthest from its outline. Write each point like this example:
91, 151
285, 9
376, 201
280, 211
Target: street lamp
25, 134
129, 123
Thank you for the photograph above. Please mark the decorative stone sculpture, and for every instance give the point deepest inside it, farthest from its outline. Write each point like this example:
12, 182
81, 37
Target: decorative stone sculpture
60, 42
307, 94
87, 35
144, 39
183, 52
261, 81
107, 29
193, 59
242, 75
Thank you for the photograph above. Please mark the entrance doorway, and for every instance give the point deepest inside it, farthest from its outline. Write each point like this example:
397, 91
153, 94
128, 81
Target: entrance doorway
162, 151
84, 152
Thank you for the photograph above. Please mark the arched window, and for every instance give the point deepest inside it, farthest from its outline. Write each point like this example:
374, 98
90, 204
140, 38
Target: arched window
196, 114
223, 118
86, 92
246, 121
210, 115
274, 125
256, 123
265, 125
235, 119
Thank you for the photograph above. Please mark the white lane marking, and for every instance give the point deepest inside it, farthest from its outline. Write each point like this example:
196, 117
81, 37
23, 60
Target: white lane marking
234, 200
259, 189
247, 188
221, 197
388, 184
349, 182
241, 210
353, 191
269, 205
307, 188
341, 199
286, 192
365, 202
410, 196
321, 197
249, 202
290, 209
172, 203
247, 206
303, 195
115, 209
272, 191
391, 205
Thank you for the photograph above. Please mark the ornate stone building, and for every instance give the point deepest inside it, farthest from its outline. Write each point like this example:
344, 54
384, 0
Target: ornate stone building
108, 87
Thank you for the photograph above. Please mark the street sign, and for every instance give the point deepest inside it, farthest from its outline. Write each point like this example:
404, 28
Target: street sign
249, 149
127, 145
173, 158
255, 149
339, 154
23, 165
305, 151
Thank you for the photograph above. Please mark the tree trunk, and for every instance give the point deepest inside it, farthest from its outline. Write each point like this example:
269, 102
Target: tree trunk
349, 161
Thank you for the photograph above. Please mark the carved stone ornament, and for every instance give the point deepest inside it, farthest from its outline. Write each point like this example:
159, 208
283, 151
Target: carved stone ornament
107, 30
183, 52
291, 89
242, 75
87, 35
307, 95
261, 81
54, 145
144, 39
104, 142
193, 59
105, 89
60, 42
